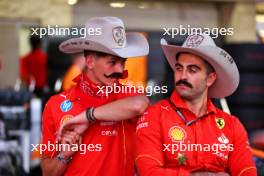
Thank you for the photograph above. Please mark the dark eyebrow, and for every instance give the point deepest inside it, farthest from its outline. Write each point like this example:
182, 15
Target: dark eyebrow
194, 66
178, 64
117, 59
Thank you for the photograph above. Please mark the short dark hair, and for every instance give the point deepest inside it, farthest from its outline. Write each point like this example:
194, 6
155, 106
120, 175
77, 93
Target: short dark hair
209, 67
35, 41
96, 53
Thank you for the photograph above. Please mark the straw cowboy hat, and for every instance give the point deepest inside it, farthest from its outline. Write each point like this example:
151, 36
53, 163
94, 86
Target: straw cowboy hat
111, 40
204, 46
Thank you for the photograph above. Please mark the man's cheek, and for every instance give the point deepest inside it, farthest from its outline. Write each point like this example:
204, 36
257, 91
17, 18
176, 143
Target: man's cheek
176, 77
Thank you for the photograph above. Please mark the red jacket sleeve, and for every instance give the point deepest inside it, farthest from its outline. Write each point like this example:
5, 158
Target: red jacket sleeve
48, 131
129, 92
24, 75
241, 160
149, 152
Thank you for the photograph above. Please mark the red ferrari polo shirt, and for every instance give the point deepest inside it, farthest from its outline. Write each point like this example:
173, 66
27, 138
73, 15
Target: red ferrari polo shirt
109, 145
165, 141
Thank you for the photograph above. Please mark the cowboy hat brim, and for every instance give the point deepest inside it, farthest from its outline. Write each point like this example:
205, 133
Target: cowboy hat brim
136, 46
226, 70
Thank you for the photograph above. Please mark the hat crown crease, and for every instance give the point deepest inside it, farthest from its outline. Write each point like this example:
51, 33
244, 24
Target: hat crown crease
198, 40
111, 28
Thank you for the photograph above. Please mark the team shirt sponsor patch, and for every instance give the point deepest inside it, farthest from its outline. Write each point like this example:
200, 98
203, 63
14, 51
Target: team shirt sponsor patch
177, 134
66, 106
223, 139
220, 122
65, 119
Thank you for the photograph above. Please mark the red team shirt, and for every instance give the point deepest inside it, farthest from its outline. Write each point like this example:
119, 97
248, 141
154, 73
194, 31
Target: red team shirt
34, 65
111, 149
161, 128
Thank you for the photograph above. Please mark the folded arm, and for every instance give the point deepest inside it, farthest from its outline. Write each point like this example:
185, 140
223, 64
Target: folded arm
122, 109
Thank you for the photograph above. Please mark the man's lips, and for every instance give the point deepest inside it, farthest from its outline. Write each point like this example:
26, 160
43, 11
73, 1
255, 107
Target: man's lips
182, 86
113, 79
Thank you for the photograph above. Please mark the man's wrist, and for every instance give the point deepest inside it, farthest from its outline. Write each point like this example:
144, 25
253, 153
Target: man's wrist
90, 115
63, 159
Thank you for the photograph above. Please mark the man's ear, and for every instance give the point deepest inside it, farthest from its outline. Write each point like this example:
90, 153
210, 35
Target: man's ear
89, 61
211, 79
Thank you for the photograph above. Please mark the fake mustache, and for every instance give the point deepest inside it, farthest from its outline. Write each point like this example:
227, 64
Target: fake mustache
184, 82
118, 75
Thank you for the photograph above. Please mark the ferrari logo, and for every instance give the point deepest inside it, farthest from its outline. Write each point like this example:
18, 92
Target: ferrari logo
119, 36
194, 41
220, 122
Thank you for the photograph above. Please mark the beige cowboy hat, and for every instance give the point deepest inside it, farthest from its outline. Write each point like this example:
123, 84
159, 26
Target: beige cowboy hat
204, 46
110, 38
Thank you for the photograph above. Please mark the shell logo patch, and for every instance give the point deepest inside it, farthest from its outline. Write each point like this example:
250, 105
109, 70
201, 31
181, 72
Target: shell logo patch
65, 119
177, 134
220, 122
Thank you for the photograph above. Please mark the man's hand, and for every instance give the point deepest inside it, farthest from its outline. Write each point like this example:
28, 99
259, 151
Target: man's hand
70, 138
74, 124
54, 167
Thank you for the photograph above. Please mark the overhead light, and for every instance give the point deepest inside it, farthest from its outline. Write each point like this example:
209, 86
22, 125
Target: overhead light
260, 18
117, 4
261, 32
72, 2
143, 5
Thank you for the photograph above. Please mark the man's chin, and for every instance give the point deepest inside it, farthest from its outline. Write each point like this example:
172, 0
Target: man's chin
183, 93
111, 81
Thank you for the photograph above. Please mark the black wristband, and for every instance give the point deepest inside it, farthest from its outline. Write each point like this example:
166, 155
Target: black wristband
89, 115
92, 114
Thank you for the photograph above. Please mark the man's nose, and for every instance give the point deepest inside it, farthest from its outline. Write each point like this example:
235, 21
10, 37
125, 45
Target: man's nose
119, 68
183, 75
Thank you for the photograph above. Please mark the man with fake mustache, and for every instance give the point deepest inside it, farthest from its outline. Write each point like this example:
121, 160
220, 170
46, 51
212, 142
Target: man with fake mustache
101, 145
186, 134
